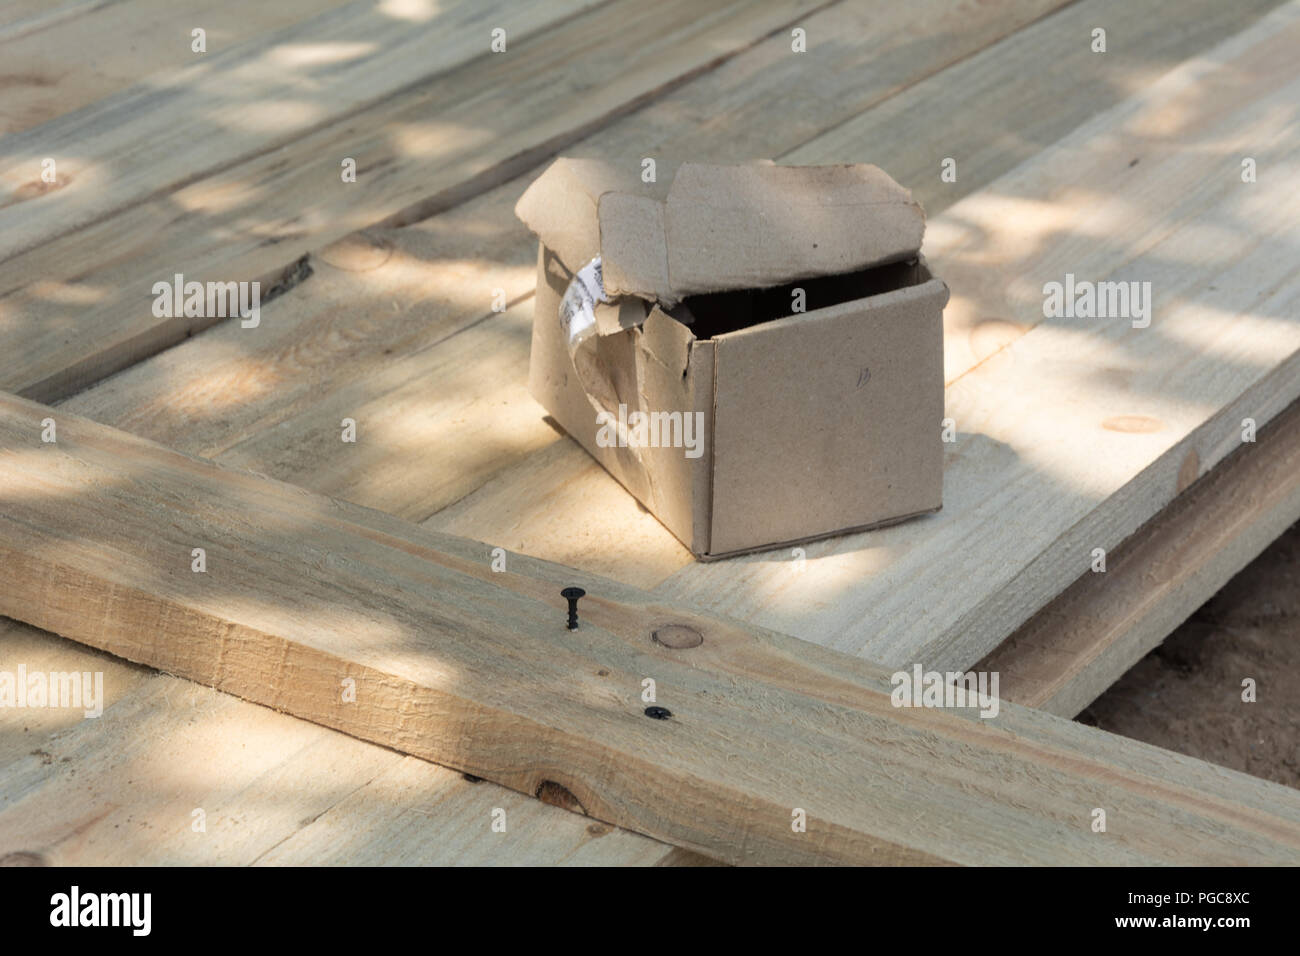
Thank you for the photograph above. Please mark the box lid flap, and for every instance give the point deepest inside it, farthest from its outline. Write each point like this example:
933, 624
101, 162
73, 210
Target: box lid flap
721, 227
560, 206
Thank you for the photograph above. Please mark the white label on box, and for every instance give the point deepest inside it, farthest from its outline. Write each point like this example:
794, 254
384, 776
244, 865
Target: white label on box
578, 307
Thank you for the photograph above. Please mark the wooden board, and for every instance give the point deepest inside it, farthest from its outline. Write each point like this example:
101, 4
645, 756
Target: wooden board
475, 669
251, 218
67, 58
122, 788
239, 102
984, 114
1068, 653
286, 424
565, 473
1073, 435
233, 394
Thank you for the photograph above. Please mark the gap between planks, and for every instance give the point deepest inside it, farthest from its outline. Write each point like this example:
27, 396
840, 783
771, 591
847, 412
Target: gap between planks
1070, 652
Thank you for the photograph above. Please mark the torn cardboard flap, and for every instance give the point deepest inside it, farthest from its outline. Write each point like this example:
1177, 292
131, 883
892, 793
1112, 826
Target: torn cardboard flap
721, 227
619, 316
667, 341
560, 206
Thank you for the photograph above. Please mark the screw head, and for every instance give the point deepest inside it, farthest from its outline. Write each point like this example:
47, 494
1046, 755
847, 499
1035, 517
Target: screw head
658, 713
572, 594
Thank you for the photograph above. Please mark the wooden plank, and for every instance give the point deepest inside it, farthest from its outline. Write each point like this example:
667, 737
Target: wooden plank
156, 400
984, 115
475, 669
237, 103
991, 121
19, 18
1074, 435
121, 789
456, 251
1068, 653
951, 113
78, 54
196, 400
400, 292
438, 143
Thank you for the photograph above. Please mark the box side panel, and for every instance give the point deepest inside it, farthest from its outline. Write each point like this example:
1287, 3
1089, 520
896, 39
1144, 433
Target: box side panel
554, 381
614, 370
829, 420
678, 388
703, 368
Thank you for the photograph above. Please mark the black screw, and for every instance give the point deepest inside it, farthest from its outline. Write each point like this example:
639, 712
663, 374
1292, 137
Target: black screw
571, 595
658, 713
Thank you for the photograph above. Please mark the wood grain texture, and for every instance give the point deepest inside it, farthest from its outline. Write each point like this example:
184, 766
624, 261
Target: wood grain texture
240, 102
404, 291
484, 119
1072, 436
121, 789
247, 399
71, 57
475, 669
1068, 653
168, 398
19, 18
502, 514
986, 115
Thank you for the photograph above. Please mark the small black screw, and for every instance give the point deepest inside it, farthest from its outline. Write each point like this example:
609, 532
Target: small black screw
658, 713
571, 595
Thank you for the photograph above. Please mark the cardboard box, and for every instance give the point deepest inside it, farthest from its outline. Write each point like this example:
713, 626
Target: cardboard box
667, 341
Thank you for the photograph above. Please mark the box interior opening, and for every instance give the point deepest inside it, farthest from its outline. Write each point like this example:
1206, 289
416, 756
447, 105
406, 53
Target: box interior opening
717, 313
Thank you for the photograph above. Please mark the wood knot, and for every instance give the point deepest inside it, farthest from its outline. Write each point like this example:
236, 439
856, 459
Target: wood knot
557, 795
39, 187
678, 636
359, 252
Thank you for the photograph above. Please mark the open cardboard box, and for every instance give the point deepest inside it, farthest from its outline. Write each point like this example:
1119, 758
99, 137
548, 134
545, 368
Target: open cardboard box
667, 341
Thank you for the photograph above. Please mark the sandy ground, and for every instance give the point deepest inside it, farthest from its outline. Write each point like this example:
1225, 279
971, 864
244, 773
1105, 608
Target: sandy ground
1186, 695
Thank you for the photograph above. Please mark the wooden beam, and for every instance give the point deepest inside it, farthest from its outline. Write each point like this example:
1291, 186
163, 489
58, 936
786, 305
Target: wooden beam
475, 669
1068, 653
120, 790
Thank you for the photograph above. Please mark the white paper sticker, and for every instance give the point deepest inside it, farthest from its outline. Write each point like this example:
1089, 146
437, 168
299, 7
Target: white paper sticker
578, 307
